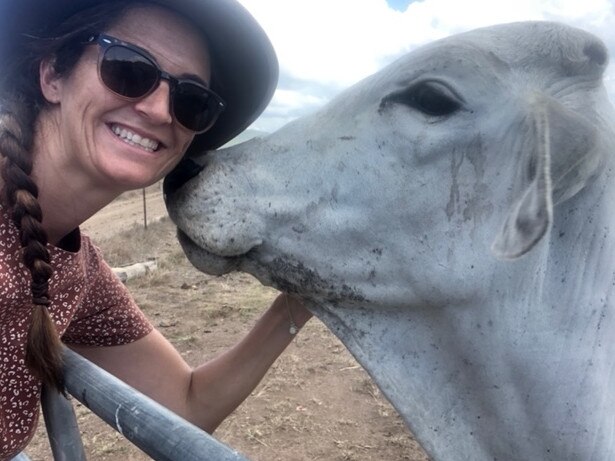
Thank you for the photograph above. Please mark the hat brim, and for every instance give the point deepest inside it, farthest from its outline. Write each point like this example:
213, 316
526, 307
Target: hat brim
246, 67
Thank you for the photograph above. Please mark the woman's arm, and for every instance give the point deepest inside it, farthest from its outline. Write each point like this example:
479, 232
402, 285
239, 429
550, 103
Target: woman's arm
209, 393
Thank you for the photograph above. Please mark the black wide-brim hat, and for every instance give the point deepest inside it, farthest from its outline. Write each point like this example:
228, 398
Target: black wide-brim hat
246, 67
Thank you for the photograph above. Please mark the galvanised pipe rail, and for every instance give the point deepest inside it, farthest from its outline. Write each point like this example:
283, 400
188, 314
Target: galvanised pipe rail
157, 431
62, 428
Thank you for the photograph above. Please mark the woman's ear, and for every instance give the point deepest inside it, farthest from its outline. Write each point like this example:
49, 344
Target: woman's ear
50, 81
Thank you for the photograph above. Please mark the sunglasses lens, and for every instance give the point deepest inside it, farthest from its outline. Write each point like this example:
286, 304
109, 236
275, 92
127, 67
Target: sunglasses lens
194, 107
127, 72
132, 74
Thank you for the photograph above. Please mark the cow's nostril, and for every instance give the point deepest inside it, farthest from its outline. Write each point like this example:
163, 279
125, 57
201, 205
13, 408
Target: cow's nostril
596, 53
183, 172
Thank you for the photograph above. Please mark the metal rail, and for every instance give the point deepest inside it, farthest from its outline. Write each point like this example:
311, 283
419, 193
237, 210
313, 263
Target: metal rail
160, 433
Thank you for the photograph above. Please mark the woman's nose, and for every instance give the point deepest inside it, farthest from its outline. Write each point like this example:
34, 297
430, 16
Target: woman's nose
156, 106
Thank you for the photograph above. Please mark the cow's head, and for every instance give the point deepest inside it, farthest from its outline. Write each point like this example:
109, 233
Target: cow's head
413, 178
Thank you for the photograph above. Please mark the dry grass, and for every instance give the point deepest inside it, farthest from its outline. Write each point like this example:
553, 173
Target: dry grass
138, 244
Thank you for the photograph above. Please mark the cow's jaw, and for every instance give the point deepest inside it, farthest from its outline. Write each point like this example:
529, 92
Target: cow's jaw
204, 260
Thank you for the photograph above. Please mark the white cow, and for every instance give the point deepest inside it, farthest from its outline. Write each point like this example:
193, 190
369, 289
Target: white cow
452, 220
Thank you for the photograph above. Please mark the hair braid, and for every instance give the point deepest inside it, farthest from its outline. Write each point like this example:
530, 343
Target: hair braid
43, 349
21, 102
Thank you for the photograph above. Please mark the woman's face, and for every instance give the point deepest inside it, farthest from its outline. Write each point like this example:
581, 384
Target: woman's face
93, 123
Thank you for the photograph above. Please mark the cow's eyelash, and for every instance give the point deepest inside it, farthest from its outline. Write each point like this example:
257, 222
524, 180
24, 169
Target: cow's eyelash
430, 97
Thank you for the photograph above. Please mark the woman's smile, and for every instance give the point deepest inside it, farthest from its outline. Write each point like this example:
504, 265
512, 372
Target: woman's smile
135, 139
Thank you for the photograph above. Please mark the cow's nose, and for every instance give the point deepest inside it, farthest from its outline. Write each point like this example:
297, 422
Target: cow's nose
596, 52
183, 172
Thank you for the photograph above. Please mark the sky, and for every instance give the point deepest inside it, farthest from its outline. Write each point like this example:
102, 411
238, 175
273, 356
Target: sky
325, 46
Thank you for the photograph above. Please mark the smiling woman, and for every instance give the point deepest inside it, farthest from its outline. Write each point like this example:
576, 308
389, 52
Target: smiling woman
90, 117
100, 97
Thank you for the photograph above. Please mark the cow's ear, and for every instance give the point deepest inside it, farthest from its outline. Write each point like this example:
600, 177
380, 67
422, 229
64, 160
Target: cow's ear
561, 155
531, 213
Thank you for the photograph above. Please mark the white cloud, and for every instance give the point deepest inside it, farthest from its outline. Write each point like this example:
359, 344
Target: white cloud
288, 99
326, 45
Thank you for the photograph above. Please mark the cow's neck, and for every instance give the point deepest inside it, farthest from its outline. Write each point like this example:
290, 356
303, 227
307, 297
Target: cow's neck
521, 374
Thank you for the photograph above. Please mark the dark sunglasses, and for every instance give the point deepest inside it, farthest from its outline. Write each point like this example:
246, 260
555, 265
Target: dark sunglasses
132, 73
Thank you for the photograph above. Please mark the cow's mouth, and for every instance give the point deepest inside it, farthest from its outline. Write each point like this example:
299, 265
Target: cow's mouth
204, 260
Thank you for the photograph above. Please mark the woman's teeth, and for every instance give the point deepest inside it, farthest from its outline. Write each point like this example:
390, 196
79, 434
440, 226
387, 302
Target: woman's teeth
134, 139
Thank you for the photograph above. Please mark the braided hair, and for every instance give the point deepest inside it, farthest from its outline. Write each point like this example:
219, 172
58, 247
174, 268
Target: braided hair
21, 103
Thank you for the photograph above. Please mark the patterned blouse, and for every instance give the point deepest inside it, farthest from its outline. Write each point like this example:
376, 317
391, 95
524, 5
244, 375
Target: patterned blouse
89, 306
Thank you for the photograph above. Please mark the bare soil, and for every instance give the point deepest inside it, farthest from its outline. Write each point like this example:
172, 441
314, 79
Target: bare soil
316, 402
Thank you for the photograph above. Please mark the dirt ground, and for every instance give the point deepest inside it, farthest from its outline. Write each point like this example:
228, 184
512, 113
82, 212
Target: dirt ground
316, 402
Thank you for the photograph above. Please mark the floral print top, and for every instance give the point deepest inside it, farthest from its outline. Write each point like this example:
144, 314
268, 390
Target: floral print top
89, 305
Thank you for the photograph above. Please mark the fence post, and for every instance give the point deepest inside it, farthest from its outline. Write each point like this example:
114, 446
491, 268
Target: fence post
144, 210
62, 428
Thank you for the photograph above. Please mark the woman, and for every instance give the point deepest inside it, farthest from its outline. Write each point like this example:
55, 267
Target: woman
100, 97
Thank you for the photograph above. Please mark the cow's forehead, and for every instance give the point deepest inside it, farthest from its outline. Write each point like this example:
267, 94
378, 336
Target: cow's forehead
524, 46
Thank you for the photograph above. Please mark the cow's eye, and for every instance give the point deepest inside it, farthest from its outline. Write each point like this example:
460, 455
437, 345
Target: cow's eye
430, 97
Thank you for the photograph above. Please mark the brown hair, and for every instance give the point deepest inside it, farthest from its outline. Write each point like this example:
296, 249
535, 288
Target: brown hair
21, 194
21, 103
